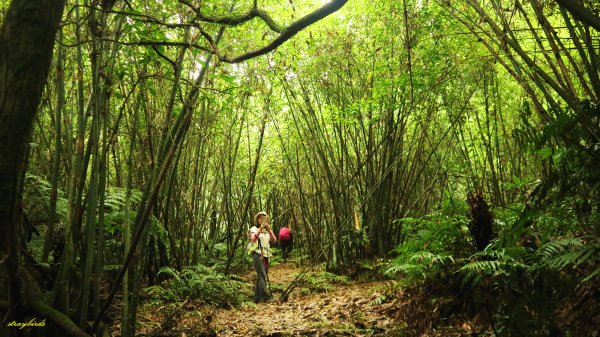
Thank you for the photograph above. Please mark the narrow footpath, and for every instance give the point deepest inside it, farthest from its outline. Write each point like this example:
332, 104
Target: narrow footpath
337, 307
345, 310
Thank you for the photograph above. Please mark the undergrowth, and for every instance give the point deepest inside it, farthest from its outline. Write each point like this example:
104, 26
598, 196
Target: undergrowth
198, 282
316, 282
540, 284
431, 247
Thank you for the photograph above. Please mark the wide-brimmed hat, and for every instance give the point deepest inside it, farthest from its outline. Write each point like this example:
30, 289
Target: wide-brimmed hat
257, 214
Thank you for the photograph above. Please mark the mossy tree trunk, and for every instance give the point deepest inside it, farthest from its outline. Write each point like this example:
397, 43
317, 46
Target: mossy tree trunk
26, 41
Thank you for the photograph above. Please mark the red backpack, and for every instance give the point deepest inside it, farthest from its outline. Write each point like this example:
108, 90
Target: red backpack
284, 234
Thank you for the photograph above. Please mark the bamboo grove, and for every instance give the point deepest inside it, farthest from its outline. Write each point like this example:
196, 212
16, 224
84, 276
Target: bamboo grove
163, 126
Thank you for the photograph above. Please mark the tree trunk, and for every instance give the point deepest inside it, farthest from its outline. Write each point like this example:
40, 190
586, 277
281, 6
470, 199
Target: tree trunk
60, 102
26, 41
481, 225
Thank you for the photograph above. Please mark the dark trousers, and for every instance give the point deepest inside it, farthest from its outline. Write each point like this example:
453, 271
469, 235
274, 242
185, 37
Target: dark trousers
286, 247
261, 292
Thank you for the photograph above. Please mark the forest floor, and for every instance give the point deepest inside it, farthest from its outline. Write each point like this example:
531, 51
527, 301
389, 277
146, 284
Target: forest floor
342, 310
346, 308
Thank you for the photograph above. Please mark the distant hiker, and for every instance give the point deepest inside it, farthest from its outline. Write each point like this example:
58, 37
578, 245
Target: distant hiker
286, 240
260, 235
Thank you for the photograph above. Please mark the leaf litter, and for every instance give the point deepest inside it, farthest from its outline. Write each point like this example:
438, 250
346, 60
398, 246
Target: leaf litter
342, 309
350, 308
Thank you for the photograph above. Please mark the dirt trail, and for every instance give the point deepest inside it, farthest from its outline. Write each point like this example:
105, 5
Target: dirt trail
345, 310
319, 307
349, 308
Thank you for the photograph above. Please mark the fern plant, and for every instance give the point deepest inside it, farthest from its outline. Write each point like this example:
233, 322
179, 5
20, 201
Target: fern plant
432, 244
419, 265
322, 281
525, 287
571, 253
36, 196
198, 282
116, 198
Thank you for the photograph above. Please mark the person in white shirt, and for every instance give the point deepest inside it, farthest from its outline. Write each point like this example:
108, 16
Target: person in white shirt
261, 235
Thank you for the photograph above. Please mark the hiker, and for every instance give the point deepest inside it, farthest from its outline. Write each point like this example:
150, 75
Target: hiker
286, 240
261, 235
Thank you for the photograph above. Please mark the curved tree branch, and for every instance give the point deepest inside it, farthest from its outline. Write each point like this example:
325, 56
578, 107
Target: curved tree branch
238, 19
285, 33
165, 57
289, 32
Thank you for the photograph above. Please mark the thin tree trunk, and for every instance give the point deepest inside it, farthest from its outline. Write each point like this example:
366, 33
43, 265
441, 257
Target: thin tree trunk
127, 223
60, 293
169, 149
60, 101
250, 189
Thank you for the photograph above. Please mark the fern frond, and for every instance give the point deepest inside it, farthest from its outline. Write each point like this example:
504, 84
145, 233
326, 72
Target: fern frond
578, 255
430, 258
170, 271
157, 229
556, 247
414, 271
591, 276
377, 301
483, 267
116, 197
201, 282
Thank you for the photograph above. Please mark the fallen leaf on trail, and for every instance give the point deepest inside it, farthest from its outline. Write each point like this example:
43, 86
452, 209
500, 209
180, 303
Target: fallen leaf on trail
361, 301
344, 315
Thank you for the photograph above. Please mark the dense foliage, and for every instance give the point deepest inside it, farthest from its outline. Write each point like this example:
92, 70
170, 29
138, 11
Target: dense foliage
389, 129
